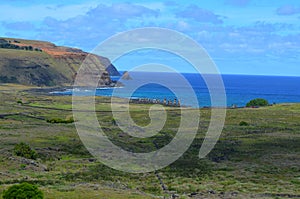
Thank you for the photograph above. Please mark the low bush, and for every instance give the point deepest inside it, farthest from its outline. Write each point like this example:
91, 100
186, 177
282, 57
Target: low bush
23, 191
59, 120
24, 150
243, 123
257, 102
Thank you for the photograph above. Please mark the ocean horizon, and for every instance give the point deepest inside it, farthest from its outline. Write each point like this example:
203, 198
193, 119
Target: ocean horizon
239, 89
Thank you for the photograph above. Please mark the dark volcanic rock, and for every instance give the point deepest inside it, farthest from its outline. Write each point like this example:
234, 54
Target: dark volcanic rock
126, 76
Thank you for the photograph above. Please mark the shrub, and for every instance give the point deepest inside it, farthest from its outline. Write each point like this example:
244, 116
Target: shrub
257, 102
55, 120
5, 79
22, 166
243, 123
23, 191
59, 120
22, 149
113, 122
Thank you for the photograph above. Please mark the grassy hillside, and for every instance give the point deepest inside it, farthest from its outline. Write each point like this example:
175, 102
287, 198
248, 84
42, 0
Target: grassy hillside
44, 64
31, 68
258, 158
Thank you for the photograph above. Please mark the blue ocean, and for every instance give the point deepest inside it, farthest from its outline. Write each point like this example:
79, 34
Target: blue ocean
169, 86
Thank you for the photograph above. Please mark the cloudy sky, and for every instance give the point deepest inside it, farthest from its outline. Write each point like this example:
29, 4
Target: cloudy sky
242, 36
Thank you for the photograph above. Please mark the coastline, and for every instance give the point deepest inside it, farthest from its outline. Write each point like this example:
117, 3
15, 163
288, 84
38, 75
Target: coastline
56, 91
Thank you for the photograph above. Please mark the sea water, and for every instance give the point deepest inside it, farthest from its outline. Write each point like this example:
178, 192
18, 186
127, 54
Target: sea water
239, 89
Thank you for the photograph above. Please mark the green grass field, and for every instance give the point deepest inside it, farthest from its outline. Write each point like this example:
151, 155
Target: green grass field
258, 160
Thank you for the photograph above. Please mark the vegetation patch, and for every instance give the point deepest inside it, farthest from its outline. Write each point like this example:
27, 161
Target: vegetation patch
24, 150
59, 120
247, 161
9, 45
243, 123
224, 150
257, 102
23, 191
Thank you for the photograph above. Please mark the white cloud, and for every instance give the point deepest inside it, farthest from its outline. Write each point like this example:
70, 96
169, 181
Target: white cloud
96, 25
200, 15
39, 12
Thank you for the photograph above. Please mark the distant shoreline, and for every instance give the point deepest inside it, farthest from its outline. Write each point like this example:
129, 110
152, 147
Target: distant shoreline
240, 89
49, 91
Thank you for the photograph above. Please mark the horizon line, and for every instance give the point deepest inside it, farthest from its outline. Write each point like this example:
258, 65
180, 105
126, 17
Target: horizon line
237, 74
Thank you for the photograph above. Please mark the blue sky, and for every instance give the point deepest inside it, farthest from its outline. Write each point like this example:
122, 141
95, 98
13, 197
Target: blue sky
259, 37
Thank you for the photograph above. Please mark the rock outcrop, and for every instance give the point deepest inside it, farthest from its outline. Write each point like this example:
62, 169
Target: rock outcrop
126, 76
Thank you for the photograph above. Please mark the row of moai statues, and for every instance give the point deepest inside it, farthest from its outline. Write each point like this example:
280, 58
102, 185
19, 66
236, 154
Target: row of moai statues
164, 102
171, 103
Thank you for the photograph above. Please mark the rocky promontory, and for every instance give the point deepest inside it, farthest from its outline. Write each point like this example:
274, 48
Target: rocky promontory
41, 63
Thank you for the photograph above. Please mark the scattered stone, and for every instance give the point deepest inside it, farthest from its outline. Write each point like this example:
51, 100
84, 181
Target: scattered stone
193, 194
234, 193
30, 164
92, 159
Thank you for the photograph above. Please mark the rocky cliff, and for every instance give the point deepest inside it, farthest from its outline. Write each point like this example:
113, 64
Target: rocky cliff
41, 63
126, 76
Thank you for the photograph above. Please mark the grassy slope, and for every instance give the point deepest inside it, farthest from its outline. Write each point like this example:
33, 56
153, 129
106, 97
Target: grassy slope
55, 74
260, 160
